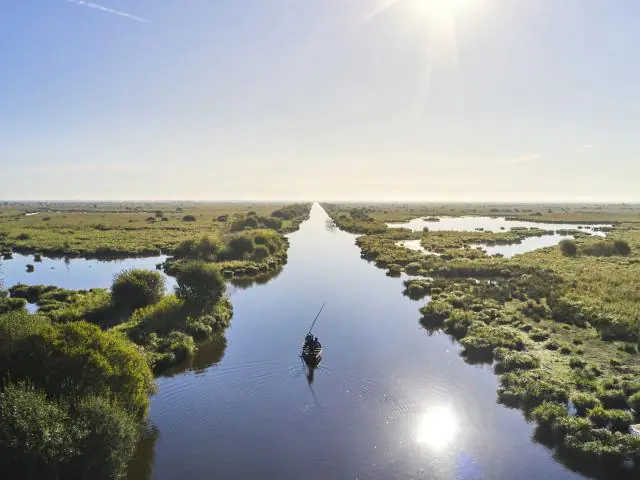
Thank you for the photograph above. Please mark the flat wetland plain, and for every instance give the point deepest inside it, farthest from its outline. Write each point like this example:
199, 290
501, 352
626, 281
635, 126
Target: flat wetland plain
559, 326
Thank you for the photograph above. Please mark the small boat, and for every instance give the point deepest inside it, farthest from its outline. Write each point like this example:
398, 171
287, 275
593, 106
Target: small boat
312, 348
312, 353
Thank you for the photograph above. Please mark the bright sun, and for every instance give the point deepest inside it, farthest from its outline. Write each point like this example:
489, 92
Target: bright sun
437, 428
444, 7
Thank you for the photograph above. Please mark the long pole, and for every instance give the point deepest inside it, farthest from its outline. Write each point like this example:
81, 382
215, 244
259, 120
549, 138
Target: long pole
314, 320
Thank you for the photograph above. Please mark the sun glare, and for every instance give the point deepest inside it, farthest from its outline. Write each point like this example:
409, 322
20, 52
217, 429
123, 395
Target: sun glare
443, 8
437, 428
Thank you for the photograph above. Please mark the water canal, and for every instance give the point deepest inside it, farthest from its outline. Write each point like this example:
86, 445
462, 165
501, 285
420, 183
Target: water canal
389, 400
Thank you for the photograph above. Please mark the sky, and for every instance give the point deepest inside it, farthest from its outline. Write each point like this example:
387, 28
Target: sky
413, 100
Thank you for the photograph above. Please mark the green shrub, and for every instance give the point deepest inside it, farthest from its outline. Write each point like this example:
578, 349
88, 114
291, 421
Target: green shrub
584, 402
109, 439
239, 247
576, 363
530, 388
614, 398
260, 253
200, 284
435, 312
634, 401
619, 420
394, 270
44, 438
459, 322
133, 289
621, 247
34, 432
72, 360
564, 426
12, 304
517, 361
539, 335
548, 413
552, 345
31, 293
160, 318
568, 248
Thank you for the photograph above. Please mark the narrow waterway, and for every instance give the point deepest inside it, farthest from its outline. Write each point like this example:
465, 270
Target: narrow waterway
389, 401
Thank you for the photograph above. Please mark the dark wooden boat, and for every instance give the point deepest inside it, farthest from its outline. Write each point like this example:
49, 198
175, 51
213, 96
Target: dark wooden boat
312, 348
311, 354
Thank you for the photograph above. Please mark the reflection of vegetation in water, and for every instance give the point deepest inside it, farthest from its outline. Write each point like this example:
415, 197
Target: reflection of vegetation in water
209, 353
141, 465
248, 282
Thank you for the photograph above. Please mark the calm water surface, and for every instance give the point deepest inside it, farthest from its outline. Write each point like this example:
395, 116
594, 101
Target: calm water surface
72, 273
388, 401
490, 224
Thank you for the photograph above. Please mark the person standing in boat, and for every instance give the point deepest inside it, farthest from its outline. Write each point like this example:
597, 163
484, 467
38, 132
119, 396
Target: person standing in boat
309, 341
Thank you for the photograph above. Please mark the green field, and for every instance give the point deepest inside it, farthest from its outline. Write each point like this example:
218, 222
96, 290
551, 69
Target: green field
107, 230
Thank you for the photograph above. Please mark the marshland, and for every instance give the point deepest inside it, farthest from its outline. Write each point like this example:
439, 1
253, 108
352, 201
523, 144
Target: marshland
543, 347
319, 239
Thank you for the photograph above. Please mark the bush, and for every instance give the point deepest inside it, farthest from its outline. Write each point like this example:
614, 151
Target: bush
109, 439
552, 345
620, 247
517, 361
620, 420
73, 360
12, 304
206, 249
260, 253
160, 319
44, 438
188, 218
530, 388
539, 335
576, 363
548, 413
133, 289
634, 401
435, 312
200, 284
614, 398
34, 432
568, 248
394, 270
239, 247
584, 402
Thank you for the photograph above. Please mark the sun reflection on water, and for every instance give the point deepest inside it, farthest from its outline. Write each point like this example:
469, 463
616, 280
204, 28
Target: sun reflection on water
437, 428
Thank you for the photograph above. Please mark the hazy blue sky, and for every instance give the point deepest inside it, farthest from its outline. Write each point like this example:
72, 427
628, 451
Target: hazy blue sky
320, 99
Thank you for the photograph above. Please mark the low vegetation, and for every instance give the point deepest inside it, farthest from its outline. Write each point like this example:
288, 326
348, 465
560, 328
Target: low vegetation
114, 230
72, 398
